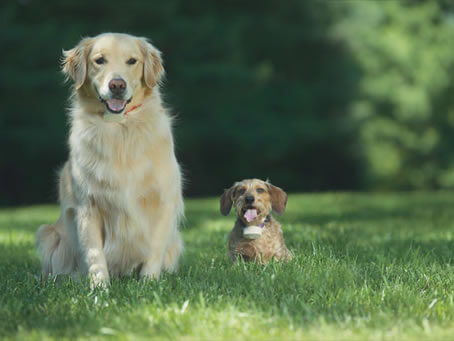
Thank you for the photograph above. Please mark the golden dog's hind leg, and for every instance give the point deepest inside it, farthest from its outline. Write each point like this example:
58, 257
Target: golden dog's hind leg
173, 252
89, 232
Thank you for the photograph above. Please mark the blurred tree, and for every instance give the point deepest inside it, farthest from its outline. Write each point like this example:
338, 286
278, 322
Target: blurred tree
405, 109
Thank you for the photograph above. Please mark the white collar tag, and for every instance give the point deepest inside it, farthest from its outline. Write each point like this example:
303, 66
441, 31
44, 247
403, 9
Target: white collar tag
253, 232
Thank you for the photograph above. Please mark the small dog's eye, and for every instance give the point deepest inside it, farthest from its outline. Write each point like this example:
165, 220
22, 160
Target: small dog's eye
242, 190
100, 60
131, 61
260, 190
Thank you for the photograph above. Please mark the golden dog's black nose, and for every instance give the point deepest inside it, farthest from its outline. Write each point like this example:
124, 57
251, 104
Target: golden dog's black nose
249, 199
117, 86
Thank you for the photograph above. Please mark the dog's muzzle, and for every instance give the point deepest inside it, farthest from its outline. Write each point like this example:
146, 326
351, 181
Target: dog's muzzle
116, 103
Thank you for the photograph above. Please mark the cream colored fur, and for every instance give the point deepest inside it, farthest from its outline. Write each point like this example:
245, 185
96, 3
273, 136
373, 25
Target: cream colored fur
121, 189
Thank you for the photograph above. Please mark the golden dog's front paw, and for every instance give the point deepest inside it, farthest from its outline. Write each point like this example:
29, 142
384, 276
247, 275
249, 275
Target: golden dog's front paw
99, 279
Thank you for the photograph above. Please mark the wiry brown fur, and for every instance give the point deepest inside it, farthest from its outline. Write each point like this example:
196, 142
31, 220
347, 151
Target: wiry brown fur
271, 243
121, 189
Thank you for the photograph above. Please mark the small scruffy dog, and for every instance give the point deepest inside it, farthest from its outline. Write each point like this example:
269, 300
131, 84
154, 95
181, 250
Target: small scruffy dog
256, 236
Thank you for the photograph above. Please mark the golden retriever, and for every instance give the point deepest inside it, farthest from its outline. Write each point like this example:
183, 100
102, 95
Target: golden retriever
121, 189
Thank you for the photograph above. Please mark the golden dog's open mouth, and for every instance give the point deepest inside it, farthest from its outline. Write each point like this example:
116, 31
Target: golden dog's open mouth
115, 105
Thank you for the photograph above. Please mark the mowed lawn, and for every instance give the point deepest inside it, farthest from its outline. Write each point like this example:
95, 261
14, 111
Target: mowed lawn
366, 266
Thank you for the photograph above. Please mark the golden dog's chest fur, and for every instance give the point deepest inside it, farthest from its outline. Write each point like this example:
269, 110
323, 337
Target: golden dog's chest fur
120, 192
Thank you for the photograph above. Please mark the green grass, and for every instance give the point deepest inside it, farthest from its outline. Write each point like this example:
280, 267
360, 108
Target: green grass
367, 266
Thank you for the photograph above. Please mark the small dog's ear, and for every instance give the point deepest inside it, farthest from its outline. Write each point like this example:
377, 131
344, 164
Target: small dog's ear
227, 201
278, 199
153, 71
74, 62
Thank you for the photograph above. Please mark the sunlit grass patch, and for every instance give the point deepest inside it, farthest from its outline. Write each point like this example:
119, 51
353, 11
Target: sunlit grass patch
366, 267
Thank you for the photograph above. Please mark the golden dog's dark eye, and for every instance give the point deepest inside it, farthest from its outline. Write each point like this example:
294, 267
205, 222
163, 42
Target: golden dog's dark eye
131, 61
260, 190
242, 190
100, 60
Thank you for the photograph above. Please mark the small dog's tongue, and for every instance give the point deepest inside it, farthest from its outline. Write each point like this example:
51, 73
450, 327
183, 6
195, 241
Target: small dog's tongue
116, 104
250, 215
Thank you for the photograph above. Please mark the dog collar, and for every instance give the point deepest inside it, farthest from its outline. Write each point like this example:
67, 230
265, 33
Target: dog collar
132, 108
262, 225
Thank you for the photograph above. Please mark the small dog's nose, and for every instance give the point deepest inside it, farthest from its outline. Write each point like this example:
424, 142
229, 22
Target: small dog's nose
117, 86
249, 199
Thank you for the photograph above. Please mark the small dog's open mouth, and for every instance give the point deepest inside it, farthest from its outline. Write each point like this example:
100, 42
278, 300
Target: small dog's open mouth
115, 105
250, 213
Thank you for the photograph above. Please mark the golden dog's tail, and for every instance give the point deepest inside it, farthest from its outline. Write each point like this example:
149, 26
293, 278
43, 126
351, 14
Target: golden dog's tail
56, 256
47, 240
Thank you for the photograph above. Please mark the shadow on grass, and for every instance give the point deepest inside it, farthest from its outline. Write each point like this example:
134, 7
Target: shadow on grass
372, 214
20, 257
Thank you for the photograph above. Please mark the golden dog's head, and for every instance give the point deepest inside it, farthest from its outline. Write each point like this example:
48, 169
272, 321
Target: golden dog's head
254, 200
115, 68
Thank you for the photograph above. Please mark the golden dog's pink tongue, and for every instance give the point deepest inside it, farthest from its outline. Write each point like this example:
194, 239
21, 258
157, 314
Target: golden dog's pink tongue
116, 105
250, 215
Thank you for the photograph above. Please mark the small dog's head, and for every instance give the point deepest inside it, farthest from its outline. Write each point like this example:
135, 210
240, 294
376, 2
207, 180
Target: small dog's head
254, 200
114, 67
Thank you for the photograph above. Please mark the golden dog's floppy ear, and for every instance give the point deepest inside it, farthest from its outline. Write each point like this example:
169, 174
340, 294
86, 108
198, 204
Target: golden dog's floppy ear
227, 200
153, 71
74, 63
278, 199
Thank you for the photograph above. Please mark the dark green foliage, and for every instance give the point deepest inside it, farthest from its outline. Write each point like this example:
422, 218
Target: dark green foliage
315, 95
254, 88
